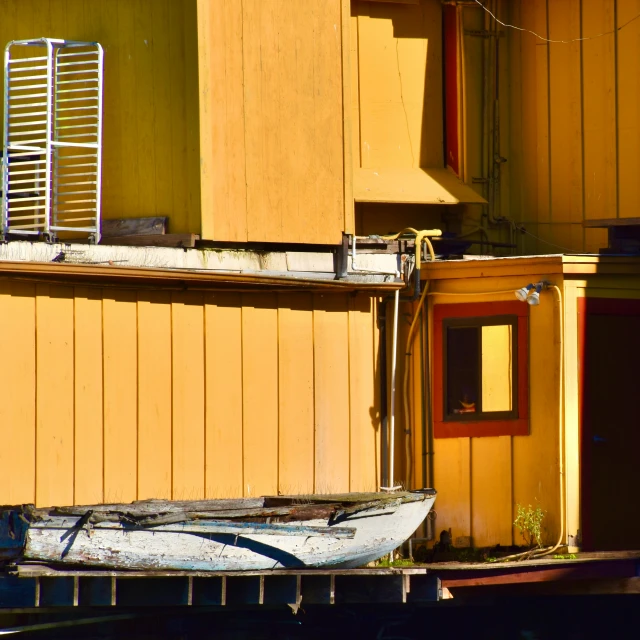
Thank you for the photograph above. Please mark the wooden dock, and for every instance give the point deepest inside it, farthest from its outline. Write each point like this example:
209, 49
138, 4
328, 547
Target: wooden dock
38, 587
596, 573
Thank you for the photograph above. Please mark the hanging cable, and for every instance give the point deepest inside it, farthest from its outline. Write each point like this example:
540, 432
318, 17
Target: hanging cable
537, 35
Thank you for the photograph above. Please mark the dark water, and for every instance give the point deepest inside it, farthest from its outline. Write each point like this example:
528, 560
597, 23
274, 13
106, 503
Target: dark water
566, 618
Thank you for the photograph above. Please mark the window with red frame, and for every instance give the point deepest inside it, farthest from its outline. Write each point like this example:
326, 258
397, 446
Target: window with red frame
481, 382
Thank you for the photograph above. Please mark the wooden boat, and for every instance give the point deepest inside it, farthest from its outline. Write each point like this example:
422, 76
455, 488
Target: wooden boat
341, 531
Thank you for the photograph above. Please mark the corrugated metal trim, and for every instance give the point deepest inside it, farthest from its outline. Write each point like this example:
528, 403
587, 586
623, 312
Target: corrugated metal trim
180, 279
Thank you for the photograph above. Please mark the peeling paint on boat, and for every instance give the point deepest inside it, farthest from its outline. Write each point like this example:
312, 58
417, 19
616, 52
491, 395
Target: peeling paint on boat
378, 529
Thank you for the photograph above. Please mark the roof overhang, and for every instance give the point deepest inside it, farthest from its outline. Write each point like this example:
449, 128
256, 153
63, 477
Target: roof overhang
412, 186
183, 279
566, 265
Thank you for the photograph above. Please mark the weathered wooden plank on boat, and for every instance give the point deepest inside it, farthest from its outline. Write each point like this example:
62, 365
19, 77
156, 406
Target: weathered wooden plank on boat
203, 527
156, 506
281, 514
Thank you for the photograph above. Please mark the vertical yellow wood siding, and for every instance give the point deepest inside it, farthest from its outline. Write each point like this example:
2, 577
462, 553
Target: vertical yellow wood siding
481, 480
151, 133
271, 126
123, 395
575, 109
396, 60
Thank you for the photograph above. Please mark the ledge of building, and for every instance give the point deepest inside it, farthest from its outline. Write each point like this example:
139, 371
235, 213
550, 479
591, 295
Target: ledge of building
195, 268
560, 264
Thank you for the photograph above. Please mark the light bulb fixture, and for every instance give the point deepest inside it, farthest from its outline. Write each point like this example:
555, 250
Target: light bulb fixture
523, 293
531, 293
534, 296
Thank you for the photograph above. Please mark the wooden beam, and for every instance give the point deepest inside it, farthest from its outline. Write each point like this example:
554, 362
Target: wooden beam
582, 571
611, 222
613, 586
133, 227
185, 240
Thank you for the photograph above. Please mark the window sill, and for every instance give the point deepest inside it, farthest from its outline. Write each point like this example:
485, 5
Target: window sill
481, 428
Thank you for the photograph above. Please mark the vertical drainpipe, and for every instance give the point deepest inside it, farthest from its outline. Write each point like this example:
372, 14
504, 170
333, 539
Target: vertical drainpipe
394, 360
384, 408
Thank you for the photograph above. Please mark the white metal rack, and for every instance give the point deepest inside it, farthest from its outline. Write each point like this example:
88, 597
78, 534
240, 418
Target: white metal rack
51, 168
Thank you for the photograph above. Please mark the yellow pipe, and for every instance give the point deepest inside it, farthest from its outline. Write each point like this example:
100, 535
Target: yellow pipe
407, 414
421, 236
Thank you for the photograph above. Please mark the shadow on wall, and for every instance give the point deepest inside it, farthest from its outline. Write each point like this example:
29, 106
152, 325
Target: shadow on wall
399, 90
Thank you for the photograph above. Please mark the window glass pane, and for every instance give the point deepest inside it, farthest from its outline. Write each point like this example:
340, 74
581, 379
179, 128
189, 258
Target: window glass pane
496, 368
463, 369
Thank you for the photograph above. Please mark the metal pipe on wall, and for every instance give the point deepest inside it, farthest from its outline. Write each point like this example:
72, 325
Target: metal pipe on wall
394, 349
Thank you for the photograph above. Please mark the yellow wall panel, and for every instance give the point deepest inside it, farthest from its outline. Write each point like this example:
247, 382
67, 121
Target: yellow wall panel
331, 366
399, 84
491, 505
18, 411
142, 48
260, 393
154, 395
296, 393
628, 106
187, 323
222, 137
223, 362
535, 457
271, 113
119, 318
161, 105
599, 111
149, 394
191, 135
54, 395
264, 160
542, 114
89, 434
452, 477
363, 387
572, 120
565, 123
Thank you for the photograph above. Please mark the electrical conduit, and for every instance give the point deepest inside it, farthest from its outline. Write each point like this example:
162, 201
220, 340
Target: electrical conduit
421, 237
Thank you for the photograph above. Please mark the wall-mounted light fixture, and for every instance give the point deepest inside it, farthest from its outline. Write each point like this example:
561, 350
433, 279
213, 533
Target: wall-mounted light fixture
531, 293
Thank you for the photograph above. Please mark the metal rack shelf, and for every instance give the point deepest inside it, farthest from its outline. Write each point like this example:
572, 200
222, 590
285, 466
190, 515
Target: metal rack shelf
51, 169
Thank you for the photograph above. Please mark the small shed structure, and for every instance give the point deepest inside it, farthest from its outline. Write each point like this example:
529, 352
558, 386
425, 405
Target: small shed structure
549, 415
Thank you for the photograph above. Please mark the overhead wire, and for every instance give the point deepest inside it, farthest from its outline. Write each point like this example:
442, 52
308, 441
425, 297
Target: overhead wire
537, 35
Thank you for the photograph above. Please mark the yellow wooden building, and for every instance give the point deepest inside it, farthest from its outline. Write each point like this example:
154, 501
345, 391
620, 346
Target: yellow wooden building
259, 124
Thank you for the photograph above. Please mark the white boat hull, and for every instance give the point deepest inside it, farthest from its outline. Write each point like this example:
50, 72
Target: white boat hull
378, 530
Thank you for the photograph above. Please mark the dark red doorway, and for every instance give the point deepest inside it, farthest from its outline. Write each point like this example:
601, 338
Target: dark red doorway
609, 352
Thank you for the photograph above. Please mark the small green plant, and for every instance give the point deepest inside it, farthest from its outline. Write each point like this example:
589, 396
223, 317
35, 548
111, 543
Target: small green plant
386, 563
529, 522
